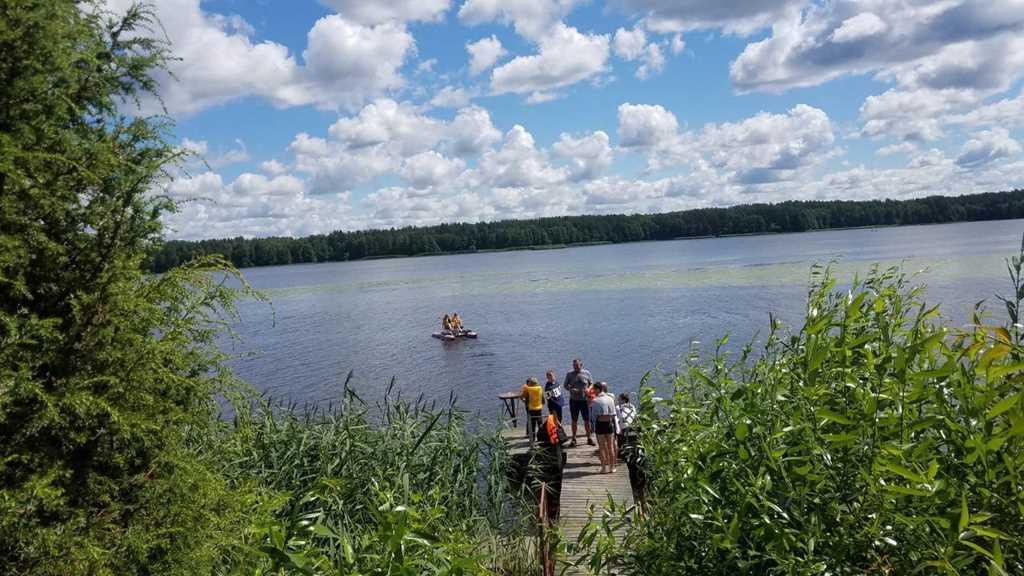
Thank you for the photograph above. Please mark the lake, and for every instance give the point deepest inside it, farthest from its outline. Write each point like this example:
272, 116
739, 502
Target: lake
625, 309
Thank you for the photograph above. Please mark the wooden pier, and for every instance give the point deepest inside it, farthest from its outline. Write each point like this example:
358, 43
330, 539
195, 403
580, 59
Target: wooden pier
582, 485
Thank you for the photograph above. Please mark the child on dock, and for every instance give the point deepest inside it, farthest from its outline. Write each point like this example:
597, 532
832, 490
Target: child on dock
553, 395
533, 396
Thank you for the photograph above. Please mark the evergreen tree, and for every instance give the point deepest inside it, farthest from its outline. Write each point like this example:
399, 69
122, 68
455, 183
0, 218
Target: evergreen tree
103, 370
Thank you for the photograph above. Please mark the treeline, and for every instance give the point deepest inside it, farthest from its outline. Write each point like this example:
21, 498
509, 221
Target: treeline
793, 216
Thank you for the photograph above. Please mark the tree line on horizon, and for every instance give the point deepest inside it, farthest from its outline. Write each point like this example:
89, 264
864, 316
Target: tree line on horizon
790, 216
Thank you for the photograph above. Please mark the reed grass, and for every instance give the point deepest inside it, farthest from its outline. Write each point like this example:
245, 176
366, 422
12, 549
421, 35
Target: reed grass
875, 439
397, 488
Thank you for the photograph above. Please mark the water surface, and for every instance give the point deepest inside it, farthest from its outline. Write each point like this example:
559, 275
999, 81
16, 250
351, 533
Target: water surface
625, 309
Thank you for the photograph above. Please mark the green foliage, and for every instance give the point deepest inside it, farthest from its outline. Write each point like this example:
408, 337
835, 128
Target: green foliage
338, 493
102, 368
792, 216
872, 441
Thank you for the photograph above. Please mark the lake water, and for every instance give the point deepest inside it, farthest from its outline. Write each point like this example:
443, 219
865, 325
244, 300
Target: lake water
625, 309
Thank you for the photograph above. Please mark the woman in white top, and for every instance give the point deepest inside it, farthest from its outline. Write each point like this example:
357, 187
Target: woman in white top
606, 427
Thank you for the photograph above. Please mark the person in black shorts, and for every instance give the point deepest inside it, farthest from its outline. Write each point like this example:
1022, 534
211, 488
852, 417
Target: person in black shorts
576, 382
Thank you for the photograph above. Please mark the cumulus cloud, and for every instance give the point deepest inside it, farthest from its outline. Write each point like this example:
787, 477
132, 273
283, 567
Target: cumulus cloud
632, 45
390, 11
430, 169
987, 146
348, 63
646, 126
273, 168
518, 163
471, 132
833, 39
251, 205
735, 17
762, 149
1007, 112
629, 44
532, 19
565, 56
450, 97
769, 147
484, 54
345, 62
388, 137
588, 155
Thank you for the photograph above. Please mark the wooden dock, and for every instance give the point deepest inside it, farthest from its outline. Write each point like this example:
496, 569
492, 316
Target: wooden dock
582, 485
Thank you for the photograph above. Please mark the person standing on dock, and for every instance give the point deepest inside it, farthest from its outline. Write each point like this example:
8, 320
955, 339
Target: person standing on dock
576, 382
533, 395
553, 395
605, 426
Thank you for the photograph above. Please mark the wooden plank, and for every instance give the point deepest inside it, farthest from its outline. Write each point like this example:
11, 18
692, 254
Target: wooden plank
583, 485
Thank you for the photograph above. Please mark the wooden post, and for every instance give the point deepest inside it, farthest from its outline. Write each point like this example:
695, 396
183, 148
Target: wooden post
545, 552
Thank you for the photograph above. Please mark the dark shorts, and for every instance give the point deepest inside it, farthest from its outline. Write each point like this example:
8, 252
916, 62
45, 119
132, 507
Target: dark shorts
556, 409
604, 427
578, 408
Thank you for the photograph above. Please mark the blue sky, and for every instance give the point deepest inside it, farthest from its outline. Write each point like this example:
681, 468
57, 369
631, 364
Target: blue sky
310, 116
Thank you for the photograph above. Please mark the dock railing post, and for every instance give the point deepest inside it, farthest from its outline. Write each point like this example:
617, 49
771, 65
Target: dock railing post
545, 552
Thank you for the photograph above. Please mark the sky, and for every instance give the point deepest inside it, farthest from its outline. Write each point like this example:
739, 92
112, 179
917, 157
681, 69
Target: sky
309, 116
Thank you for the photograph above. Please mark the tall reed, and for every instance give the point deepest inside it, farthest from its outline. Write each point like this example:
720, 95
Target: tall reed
399, 488
876, 439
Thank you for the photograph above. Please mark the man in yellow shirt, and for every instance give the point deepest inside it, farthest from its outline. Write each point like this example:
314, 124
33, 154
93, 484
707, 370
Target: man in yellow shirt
533, 396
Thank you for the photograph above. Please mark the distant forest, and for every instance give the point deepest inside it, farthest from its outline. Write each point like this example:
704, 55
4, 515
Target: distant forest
792, 216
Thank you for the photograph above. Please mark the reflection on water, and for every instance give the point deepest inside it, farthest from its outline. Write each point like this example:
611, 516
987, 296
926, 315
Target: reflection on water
623, 308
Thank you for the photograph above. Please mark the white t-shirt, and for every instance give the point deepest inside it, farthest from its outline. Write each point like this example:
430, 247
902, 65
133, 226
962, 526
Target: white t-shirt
604, 405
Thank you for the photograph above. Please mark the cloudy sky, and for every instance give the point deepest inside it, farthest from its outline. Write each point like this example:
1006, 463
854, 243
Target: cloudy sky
314, 116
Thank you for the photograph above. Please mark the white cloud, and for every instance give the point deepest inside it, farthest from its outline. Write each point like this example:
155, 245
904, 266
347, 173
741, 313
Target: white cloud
348, 64
368, 12
632, 45
833, 39
388, 137
518, 163
734, 17
859, 27
912, 115
629, 44
345, 63
678, 44
471, 132
589, 155
769, 147
565, 57
646, 126
484, 54
899, 148
273, 168
532, 19
1008, 112
430, 169
987, 146
252, 205
450, 97
198, 147
654, 62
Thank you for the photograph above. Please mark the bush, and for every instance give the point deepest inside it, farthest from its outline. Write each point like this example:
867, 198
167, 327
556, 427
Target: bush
875, 440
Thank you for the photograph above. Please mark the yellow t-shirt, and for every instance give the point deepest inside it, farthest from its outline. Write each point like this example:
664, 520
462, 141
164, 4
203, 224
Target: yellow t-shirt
534, 396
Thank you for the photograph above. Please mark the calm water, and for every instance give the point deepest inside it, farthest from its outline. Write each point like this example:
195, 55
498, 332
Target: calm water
624, 309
